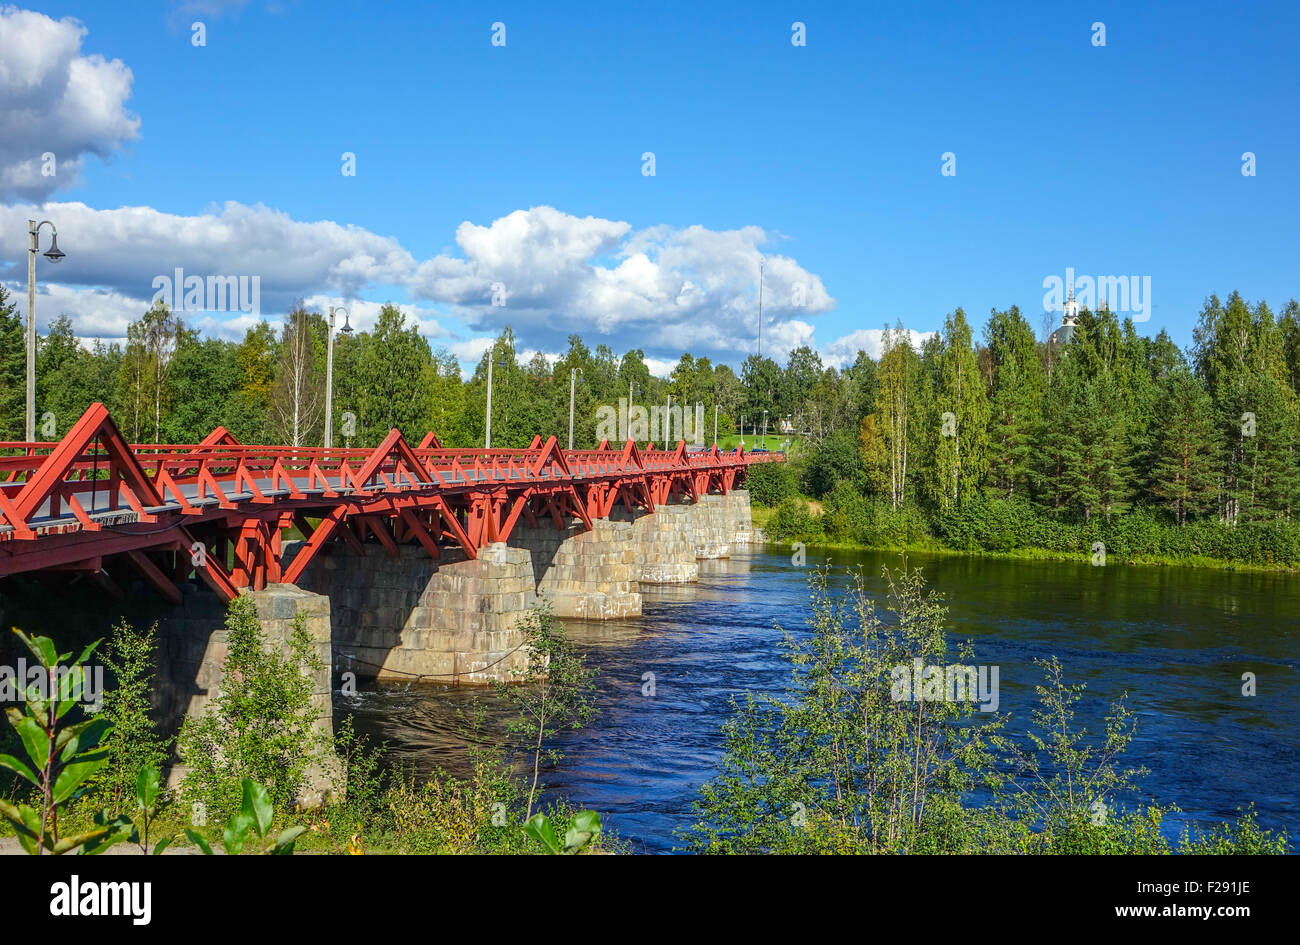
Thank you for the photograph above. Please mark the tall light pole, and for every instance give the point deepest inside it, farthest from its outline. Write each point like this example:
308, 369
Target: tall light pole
761, 263
329, 372
573, 380
487, 428
487, 435
764, 429
53, 255
715, 424
630, 387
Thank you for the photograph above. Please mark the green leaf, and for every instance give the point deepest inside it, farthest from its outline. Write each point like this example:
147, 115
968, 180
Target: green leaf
587, 821
68, 689
120, 828
19, 815
163, 844
35, 741
81, 737
16, 766
42, 648
575, 840
199, 841
257, 807
236, 833
146, 787
539, 828
85, 654
71, 843
71, 777
284, 843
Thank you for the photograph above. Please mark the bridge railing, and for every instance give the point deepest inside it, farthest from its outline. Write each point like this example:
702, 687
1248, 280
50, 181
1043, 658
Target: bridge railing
92, 470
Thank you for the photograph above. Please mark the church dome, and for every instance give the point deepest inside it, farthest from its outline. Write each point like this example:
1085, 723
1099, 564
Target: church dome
1061, 336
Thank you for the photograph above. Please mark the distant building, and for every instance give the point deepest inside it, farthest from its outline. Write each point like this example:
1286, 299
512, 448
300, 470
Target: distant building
1069, 322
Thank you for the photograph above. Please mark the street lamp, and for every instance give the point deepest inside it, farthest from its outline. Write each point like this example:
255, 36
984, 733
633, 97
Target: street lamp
715, 424
573, 380
630, 388
53, 254
487, 435
764, 429
329, 371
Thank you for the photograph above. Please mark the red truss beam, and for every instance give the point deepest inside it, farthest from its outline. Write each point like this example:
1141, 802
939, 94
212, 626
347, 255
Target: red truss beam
68, 507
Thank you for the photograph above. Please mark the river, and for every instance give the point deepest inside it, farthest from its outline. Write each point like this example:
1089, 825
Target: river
1176, 640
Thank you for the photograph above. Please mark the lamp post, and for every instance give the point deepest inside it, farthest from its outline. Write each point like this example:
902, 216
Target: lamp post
630, 388
53, 255
715, 424
573, 380
329, 371
764, 429
487, 435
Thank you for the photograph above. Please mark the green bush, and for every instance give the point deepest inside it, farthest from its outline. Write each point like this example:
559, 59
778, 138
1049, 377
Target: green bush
771, 483
847, 514
134, 742
262, 726
988, 525
836, 460
794, 521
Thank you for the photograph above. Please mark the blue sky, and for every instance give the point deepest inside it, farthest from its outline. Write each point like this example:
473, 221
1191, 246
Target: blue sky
1117, 160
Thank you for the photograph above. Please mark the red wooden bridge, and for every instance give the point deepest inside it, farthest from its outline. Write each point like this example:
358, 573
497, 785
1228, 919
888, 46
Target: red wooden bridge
219, 508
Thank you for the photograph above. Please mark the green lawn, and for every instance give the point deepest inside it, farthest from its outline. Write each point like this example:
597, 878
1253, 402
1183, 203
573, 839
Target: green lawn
775, 441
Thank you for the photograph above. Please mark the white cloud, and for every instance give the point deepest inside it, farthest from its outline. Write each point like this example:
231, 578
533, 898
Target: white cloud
660, 288
126, 249
844, 351
659, 368
363, 314
54, 99
95, 313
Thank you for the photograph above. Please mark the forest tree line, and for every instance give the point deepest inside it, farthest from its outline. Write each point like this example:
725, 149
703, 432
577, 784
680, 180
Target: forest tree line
1083, 430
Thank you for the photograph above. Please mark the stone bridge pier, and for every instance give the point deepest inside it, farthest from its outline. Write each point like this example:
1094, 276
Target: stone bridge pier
455, 620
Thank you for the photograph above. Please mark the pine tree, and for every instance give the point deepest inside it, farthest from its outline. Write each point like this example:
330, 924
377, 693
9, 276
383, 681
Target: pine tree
13, 370
1184, 474
1015, 410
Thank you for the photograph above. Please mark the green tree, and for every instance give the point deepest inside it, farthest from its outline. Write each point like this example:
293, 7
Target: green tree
133, 742
959, 421
1184, 475
896, 410
207, 371
844, 761
392, 377
553, 692
13, 370
1015, 408
263, 724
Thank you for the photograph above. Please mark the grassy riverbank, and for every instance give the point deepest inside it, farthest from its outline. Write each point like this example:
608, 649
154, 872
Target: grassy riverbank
786, 533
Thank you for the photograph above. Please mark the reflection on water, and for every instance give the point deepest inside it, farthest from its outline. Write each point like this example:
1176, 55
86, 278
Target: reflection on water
1176, 640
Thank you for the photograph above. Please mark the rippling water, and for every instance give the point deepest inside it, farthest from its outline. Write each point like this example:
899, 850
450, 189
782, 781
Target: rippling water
1176, 640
